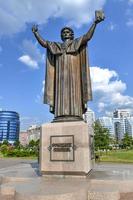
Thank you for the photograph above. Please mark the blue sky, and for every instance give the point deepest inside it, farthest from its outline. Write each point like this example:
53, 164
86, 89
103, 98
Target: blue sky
22, 59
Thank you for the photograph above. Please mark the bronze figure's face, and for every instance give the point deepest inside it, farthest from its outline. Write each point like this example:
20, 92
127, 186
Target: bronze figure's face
67, 34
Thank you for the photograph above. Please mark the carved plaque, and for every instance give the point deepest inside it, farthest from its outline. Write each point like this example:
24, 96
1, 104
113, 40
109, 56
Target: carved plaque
61, 148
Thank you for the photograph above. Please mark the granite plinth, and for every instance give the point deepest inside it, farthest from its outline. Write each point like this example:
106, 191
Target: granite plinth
65, 149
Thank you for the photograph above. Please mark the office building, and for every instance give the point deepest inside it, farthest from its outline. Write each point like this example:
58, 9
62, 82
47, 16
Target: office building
107, 122
23, 138
33, 133
9, 126
121, 113
122, 123
129, 126
89, 116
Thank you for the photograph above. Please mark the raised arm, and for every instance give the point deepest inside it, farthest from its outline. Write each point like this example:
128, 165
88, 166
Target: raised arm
89, 34
42, 42
91, 31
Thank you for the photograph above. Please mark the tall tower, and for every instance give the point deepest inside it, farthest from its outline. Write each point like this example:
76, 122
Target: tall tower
107, 122
9, 126
122, 123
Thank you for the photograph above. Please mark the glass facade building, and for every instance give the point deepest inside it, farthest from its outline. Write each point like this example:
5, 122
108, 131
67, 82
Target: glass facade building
9, 126
107, 122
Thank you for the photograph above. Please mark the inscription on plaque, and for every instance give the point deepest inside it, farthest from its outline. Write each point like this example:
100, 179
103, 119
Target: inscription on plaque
61, 148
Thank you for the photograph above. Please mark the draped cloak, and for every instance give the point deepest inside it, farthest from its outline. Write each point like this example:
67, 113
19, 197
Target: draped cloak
67, 78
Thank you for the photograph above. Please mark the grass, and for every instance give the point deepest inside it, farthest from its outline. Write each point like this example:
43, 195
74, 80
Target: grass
120, 156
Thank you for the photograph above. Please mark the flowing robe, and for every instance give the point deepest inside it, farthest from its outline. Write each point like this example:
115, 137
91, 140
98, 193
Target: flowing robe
67, 78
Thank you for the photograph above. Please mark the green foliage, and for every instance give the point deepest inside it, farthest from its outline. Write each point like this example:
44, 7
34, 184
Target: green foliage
19, 153
32, 143
3, 148
5, 142
127, 142
17, 150
17, 144
101, 137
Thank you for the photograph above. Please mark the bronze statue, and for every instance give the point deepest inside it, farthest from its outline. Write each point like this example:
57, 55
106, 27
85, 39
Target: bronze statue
67, 78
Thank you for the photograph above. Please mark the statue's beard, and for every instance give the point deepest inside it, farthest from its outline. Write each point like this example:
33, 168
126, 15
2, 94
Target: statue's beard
67, 38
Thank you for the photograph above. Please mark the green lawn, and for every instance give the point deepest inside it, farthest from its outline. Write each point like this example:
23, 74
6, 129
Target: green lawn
121, 156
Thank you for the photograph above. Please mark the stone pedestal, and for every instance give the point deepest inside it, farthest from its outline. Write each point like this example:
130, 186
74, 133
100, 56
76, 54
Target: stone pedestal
66, 149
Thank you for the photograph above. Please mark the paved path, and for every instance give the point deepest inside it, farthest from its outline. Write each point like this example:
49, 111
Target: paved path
22, 174
8, 162
112, 171
104, 171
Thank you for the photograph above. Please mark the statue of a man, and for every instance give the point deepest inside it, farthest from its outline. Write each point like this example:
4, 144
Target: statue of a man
67, 78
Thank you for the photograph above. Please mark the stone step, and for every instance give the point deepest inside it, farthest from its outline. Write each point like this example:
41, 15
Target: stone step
6, 193
96, 195
68, 196
6, 197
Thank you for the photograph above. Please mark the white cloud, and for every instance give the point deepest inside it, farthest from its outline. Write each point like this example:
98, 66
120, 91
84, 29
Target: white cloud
108, 90
129, 13
100, 75
15, 15
32, 50
130, 2
39, 97
26, 59
129, 22
101, 106
43, 83
122, 100
32, 56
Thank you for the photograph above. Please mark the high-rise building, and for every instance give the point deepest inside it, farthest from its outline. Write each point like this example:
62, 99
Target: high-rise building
23, 138
107, 122
119, 124
89, 116
33, 133
119, 128
9, 126
129, 126
121, 113
122, 123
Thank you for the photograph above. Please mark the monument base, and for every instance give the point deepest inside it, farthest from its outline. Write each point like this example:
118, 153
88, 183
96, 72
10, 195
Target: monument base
67, 119
66, 149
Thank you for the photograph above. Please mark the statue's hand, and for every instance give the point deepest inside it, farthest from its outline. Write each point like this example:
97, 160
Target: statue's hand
98, 20
99, 16
34, 28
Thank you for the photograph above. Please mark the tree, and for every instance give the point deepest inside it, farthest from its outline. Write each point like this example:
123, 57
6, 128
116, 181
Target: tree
127, 141
32, 143
17, 144
5, 142
101, 137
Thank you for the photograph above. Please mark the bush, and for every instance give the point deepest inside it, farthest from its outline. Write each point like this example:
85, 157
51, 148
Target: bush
4, 149
20, 153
